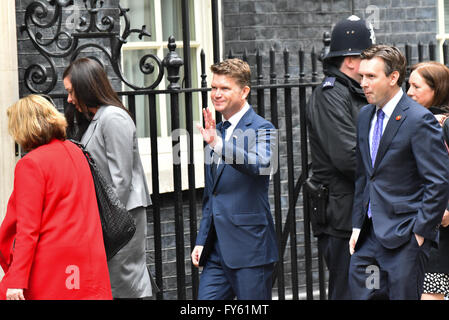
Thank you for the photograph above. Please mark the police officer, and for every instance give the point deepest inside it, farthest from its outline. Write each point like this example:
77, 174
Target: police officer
331, 116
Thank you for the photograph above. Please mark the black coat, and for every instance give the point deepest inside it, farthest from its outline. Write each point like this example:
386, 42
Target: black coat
331, 116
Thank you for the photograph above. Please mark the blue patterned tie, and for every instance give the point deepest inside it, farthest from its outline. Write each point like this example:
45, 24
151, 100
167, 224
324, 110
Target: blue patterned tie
223, 129
377, 135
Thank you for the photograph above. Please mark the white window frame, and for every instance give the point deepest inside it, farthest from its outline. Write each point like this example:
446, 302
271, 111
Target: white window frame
203, 36
442, 34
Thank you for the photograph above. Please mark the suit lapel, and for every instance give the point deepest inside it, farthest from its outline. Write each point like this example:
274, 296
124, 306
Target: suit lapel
397, 118
214, 159
365, 125
219, 168
92, 126
89, 133
244, 122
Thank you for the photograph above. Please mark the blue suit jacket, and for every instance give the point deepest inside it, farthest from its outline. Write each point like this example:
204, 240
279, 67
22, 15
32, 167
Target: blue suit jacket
236, 201
408, 185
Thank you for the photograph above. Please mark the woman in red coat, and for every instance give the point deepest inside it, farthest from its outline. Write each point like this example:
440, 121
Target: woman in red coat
51, 243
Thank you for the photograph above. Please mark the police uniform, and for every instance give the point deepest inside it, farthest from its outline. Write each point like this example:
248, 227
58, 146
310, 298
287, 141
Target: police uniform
331, 117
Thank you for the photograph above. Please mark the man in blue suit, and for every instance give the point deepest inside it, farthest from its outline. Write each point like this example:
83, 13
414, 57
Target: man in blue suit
401, 187
236, 242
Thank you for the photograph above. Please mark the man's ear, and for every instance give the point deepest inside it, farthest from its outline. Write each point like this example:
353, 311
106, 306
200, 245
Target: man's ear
245, 92
394, 77
349, 61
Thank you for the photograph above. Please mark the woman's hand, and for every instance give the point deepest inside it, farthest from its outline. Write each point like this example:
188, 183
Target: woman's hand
14, 294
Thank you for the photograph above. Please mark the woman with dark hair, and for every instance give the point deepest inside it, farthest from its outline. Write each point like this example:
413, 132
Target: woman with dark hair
110, 137
429, 86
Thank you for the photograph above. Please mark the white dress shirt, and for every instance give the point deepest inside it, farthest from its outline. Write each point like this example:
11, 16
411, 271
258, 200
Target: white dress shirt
388, 109
234, 120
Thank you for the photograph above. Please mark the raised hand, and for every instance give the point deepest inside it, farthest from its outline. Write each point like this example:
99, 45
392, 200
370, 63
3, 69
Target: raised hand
209, 132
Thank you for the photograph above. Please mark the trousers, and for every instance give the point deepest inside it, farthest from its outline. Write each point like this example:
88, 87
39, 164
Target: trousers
218, 282
397, 274
336, 255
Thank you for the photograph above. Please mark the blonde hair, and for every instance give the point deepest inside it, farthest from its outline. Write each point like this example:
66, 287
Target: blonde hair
235, 68
34, 121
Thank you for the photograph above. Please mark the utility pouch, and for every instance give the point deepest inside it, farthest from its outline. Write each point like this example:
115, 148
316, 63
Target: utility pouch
318, 198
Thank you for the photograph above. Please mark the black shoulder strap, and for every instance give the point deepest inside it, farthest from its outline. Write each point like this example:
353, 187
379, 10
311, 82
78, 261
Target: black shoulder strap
446, 131
83, 148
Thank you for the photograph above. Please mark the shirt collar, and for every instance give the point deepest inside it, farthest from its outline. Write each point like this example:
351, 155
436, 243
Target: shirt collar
234, 119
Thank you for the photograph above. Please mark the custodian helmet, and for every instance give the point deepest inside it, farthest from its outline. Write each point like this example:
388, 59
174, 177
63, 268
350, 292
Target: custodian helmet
350, 37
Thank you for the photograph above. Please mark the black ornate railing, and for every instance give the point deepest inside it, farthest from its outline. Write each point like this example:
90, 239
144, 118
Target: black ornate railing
47, 17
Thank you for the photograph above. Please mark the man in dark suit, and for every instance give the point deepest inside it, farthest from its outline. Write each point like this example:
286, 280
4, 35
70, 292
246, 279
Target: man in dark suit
401, 183
331, 121
236, 242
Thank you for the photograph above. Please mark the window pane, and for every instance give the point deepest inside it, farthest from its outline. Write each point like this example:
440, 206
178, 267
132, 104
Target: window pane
172, 19
131, 70
141, 13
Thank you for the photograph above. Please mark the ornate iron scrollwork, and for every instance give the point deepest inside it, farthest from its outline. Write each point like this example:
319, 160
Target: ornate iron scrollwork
48, 17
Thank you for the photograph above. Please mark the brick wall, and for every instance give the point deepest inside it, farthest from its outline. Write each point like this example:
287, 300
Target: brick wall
168, 240
402, 21
295, 24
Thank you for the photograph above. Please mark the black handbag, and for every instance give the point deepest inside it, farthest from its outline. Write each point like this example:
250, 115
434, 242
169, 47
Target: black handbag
117, 223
